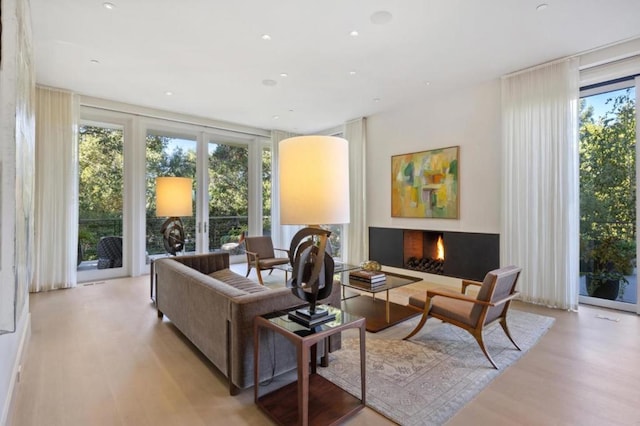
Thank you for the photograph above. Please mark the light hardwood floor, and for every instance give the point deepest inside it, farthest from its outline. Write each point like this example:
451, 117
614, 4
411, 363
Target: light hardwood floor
98, 355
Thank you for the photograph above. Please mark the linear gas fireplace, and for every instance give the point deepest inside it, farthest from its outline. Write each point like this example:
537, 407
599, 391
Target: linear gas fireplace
423, 251
467, 255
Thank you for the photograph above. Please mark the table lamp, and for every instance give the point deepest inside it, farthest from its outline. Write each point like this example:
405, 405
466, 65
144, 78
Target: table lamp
173, 199
314, 191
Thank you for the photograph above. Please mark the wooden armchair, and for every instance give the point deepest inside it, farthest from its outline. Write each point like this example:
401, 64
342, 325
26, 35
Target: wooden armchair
261, 255
473, 313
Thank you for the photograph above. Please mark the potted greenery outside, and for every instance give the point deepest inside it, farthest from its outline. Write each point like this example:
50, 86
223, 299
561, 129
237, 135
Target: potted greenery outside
84, 241
608, 262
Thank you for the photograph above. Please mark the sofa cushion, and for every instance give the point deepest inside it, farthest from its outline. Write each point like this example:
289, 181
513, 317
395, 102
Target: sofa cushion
237, 281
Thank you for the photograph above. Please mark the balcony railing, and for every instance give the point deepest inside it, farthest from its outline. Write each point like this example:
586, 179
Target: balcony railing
222, 229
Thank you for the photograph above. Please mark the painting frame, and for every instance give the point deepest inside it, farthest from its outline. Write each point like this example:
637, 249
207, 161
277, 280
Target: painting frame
426, 184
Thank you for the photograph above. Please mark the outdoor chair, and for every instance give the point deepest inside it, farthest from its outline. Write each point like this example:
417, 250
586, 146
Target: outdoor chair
109, 252
261, 255
473, 313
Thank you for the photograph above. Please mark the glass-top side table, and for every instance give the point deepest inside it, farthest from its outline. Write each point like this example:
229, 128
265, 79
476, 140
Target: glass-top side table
305, 401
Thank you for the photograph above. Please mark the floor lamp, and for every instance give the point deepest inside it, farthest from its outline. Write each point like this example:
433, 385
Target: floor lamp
314, 191
173, 199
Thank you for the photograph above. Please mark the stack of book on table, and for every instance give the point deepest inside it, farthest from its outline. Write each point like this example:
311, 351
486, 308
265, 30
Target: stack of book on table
372, 278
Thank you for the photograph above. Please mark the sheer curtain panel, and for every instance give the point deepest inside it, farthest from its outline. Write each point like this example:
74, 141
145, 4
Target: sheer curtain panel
540, 194
357, 235
281, 235
56, 202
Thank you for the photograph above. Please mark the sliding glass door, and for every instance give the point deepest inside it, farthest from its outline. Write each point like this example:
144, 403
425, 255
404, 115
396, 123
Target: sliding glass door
168, 154
220, 167
608, 196
101, 252
228, 195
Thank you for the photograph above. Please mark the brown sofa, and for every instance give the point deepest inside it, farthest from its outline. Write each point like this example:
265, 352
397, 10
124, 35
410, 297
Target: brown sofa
214, 308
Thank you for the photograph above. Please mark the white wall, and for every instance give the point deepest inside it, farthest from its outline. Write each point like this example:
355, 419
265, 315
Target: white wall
16, 145
12, 348
469, 118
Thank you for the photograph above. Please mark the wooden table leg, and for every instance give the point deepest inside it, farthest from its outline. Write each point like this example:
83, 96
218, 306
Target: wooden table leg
387, 308
324, 360
363, 363
314, 358
303, 385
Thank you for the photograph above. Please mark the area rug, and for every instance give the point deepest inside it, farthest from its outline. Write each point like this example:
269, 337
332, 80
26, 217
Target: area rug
426, 380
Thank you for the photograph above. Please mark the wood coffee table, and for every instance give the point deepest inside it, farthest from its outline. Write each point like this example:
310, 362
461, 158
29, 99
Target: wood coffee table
380, 314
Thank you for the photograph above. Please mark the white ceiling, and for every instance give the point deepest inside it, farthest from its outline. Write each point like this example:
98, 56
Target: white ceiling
210, 53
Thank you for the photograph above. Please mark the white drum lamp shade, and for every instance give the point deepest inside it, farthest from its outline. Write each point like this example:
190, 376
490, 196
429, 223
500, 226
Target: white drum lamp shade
314, 180
173, 197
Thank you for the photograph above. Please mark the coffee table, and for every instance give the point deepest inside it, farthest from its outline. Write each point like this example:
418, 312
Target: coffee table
338, 268
380, 314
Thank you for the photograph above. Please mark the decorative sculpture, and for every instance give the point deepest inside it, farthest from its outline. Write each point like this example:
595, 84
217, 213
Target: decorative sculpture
173, 235
312, 276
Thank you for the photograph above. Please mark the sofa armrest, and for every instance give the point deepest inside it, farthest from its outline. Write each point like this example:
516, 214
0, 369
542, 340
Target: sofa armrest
198, 305
205, 263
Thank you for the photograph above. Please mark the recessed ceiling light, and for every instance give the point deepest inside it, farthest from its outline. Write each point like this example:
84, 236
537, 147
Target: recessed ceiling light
269, 82
266, 37
94, 61
352, 73
376, 99
291, 110
168, 93
542, 6
354, 33
108, 5
275, 117
381, 17
284, 74
427, 83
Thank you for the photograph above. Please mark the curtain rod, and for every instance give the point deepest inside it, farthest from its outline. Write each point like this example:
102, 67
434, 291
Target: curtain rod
578, 55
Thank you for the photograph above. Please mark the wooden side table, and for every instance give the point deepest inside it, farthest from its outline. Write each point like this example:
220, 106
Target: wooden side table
312, 399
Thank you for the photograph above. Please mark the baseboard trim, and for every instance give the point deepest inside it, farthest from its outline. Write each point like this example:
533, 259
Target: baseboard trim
24, 341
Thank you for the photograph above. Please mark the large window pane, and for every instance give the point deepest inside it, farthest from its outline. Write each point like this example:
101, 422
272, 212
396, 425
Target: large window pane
168, 156
228, 194
608, 195
266, 191
100, 195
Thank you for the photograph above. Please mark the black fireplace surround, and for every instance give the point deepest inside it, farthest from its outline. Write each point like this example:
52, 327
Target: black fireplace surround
467, 255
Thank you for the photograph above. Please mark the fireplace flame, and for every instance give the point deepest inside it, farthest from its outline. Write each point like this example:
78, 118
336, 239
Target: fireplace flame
440, 248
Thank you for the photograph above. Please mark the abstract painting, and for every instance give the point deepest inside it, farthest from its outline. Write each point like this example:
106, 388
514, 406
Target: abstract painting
425, 184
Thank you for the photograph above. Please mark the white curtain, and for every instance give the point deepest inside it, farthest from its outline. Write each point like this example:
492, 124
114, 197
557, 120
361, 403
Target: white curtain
356, 231
56, 189
280, 234
540, 204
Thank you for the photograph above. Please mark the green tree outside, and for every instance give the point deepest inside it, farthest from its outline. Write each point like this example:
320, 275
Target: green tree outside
608, 180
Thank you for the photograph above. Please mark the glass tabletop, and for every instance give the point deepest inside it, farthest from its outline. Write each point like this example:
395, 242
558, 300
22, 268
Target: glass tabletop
281, 319
338, 267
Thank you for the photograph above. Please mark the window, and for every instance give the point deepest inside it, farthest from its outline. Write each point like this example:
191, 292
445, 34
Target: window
101, 183
608, 191
266, 191
168, 156
228, 168
119, 164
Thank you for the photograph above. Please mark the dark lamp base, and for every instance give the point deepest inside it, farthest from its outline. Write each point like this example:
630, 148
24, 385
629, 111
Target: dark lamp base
306, 318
